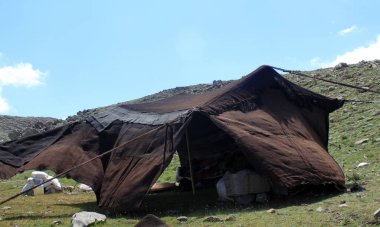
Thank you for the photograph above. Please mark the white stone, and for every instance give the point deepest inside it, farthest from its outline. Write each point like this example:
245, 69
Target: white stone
320, 209
271, 211
84, 187
231, 217
362, 141
377, 214
362, 164
182, 218
85, 218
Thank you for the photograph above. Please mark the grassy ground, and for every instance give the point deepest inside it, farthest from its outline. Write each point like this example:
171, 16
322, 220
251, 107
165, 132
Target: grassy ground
353, 122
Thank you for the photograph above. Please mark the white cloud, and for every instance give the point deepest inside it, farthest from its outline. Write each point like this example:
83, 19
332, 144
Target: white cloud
4, 106
348, 30
364, 53
19, 75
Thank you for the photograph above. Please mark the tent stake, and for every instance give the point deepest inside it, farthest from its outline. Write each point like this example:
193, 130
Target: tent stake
190, 165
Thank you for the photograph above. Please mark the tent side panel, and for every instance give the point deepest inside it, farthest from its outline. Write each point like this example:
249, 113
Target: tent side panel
280, 144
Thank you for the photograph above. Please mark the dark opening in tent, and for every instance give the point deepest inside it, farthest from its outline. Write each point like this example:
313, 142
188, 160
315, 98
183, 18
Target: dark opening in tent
262, 122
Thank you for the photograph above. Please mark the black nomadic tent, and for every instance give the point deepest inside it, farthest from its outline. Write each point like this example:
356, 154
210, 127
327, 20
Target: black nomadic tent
279, 128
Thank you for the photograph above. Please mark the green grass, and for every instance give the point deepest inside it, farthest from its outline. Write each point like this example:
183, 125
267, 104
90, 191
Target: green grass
354, 121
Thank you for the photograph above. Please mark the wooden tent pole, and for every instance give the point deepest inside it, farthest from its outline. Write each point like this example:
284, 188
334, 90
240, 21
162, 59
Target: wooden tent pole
190, 165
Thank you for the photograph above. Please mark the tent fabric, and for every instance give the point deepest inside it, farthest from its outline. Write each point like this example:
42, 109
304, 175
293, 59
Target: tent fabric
262, 121
102, 120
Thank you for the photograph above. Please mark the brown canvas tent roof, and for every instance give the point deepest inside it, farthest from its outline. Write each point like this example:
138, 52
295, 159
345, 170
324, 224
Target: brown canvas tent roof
279, 128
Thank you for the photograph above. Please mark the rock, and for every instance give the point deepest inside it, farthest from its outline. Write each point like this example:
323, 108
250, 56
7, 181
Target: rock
84, 187
377, 214
331, 88
362, 141
374, 66
85, 218
340, 66
355, 187
262, 198
213, 219
151, 220
320, 209
272, 211
230, 217
182, 219
362, 63
359, 195
56, 222
217, 83
343, 205
6, 208
363, 164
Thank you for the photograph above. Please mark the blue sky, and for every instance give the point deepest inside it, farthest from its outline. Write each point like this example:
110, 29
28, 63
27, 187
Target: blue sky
60, 57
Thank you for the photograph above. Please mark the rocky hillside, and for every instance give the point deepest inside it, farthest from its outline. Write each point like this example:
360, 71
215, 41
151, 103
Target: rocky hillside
363, 74
12, 127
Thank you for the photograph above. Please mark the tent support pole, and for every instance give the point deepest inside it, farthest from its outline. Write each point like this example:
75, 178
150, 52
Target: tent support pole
190, 165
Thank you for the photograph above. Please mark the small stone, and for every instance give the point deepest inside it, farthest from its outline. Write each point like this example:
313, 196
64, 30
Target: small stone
341, 66
6, 208
320, 209
212, 219
342, 202
84, 188
231, 217
310, 209
343, 205
182, 219
377, 214
331, 88
272, 211
57, 222
355, 187
362, 141
363, 164
365, 88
